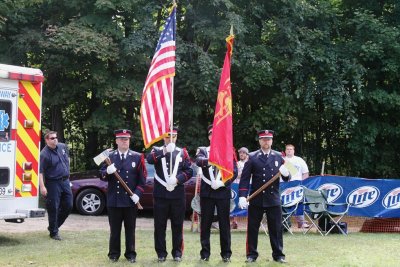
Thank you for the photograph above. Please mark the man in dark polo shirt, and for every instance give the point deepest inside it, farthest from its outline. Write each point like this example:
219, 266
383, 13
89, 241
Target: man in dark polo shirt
54, 182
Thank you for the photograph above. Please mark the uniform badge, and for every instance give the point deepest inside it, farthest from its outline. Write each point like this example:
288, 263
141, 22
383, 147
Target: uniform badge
276, 163
133, 164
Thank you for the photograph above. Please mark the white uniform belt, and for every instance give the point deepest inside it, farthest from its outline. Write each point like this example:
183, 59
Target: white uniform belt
161, 181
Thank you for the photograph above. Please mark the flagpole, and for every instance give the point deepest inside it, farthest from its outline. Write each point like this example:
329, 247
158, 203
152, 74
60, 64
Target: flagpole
171, 126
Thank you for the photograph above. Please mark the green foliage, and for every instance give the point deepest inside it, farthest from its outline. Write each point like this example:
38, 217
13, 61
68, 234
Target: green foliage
323, 74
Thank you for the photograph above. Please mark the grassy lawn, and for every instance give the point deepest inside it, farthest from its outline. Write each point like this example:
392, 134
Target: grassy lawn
90, 249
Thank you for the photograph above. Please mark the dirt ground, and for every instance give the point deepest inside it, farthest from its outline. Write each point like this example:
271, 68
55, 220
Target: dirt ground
75, 222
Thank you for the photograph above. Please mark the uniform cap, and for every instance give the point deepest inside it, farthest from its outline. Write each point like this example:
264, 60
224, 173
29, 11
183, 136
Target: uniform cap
122, 133
175, 130
265, 134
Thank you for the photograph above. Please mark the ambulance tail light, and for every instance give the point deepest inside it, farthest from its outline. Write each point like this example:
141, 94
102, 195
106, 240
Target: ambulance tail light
26, 188
27, 177
27, 166
28, 124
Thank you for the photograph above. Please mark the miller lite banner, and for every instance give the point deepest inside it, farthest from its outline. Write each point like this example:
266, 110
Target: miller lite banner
378, 198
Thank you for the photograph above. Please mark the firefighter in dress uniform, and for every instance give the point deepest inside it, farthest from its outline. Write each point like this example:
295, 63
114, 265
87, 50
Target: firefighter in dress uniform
169, 194
214, 194
121, 208
262, 165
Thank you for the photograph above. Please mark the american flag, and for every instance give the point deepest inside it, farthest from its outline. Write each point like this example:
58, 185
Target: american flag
157, 99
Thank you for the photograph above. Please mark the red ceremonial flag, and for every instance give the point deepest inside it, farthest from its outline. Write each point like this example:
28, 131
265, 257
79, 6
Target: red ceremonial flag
221, 147
156, 108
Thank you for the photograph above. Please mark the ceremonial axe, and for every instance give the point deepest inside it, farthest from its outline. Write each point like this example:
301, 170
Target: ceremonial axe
103, 157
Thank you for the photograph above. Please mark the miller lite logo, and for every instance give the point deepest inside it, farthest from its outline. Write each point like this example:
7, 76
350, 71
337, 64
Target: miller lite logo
233, 194
363, 196
334, 191
292, 195
392, 199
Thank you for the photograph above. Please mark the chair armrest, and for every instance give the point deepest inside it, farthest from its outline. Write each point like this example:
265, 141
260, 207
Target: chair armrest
337, 207
337, 204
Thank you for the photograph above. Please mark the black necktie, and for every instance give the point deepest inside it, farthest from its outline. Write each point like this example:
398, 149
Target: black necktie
122, 157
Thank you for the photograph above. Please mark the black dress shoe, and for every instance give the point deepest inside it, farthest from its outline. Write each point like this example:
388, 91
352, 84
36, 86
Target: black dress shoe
132, 260
56, 237
226, 259
112, 259
161, 259
204, 259
280, 260
249, 260
177, 259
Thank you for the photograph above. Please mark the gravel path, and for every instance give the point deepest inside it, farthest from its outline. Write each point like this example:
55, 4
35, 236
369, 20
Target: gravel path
74, 222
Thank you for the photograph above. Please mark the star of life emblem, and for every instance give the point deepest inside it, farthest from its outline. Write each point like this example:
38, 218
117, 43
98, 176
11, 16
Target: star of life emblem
4, 120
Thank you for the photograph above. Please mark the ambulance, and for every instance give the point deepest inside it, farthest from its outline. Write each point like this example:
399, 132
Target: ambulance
20, 111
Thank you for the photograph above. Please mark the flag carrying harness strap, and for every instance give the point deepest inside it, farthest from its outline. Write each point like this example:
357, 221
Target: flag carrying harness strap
165, 170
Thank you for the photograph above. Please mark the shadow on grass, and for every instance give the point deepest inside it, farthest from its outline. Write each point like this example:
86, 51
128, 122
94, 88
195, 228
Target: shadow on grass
8, 241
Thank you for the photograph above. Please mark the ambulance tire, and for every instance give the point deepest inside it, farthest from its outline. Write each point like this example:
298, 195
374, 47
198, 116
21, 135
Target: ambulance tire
90, 201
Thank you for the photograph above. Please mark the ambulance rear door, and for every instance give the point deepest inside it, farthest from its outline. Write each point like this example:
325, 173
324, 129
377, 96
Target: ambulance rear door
8, 114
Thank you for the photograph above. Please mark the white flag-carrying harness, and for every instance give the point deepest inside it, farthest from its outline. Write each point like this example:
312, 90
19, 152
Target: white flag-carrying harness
211, 172
178, 159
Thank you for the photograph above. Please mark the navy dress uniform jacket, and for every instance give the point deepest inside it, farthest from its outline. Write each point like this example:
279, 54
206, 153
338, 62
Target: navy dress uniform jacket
261, 168
205, 189
185, 172
132, 170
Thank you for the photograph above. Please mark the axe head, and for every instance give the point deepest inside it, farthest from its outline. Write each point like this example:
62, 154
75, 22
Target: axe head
101, 157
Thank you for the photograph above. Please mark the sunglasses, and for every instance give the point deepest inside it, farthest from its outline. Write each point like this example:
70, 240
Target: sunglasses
52, 138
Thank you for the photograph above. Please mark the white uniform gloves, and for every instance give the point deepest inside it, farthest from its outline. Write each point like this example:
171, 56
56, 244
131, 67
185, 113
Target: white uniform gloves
171, 183
170, 147
215, 184
243, 204
111, 169
283, 170
170, 188
172, 180
135, 198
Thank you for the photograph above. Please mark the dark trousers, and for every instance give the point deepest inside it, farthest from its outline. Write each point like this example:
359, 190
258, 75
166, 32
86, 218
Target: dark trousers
58, 203
115, 218
274, 222
175, 210
207, 215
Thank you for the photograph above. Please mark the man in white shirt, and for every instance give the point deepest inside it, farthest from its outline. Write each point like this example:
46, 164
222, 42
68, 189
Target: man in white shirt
301, 174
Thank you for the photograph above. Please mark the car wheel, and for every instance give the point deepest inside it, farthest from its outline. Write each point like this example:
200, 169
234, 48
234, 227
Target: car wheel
90, 202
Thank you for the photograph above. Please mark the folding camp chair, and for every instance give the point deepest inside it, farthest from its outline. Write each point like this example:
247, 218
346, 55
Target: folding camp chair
264, 223
288, 210
316, 206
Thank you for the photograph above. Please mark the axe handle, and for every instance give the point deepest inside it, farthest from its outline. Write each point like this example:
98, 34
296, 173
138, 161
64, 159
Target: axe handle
258, 191
122, 182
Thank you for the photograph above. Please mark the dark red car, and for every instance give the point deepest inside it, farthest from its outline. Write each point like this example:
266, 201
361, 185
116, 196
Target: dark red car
90, 192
